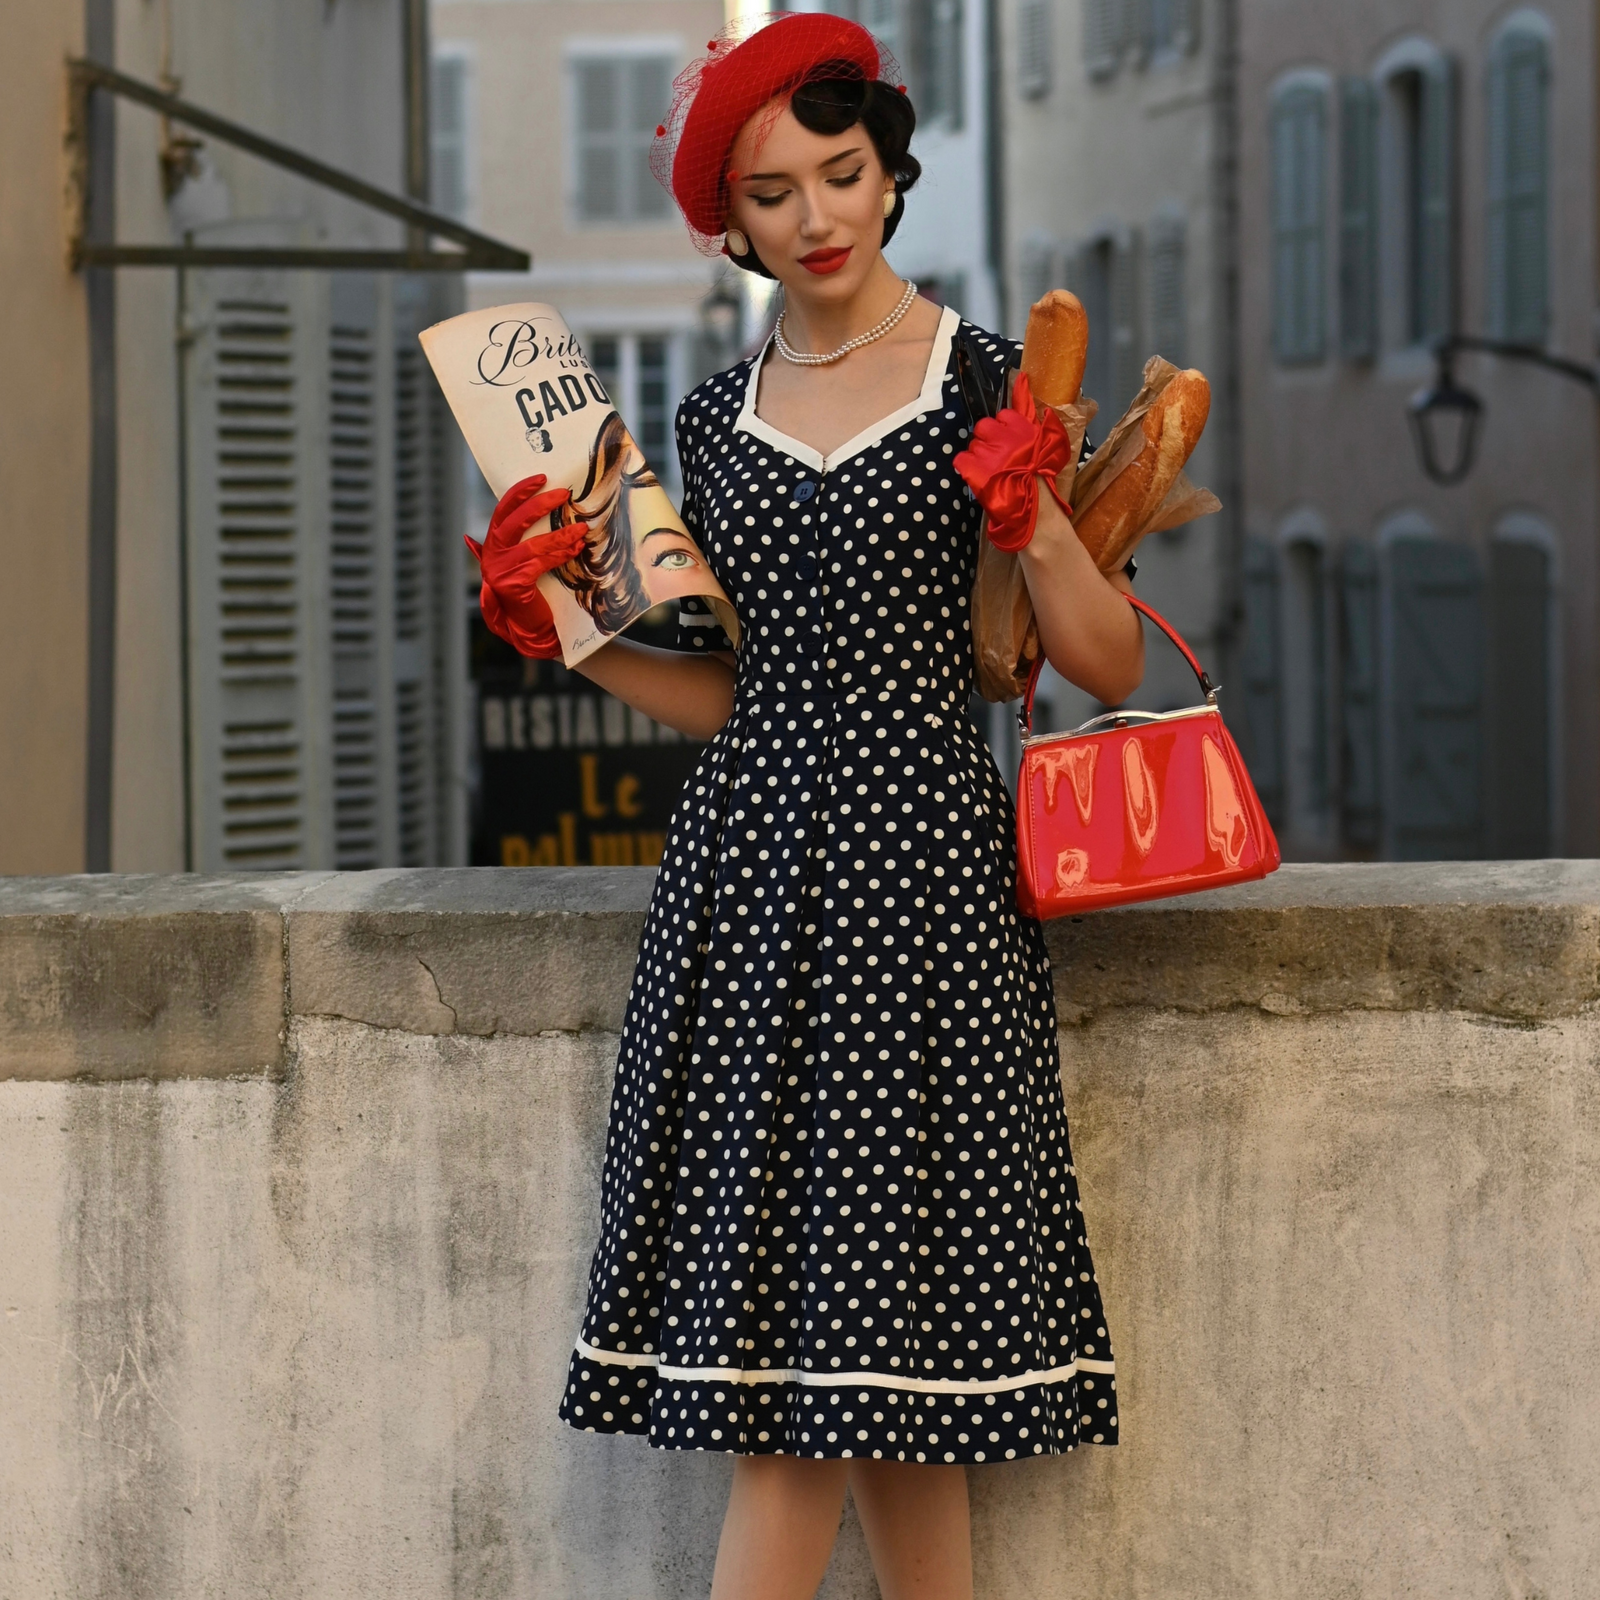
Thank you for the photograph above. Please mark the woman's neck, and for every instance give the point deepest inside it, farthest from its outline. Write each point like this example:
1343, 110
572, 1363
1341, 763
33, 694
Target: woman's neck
817, 326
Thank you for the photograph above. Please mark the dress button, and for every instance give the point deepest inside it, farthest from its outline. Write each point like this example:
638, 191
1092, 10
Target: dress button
804, 491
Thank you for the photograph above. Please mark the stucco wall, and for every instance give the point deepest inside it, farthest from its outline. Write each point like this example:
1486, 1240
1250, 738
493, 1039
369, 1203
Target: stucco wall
298, 1184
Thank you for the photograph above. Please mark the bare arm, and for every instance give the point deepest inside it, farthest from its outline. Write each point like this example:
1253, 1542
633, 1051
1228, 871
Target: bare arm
1090, 634
689, 692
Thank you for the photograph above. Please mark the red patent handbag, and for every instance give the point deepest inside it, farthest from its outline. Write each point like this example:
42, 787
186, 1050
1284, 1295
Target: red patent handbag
1135, 805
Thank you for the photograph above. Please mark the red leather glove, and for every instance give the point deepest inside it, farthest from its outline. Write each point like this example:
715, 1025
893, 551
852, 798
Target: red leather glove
1008, 455
510, 600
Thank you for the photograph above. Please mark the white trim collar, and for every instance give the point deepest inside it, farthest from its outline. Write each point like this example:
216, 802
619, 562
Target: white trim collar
928, 399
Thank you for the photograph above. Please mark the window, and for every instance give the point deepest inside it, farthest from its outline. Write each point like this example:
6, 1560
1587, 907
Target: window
451, 155
1299, 114
1033, 48
1358, 220
620, 99
1417, 176
637, 371
1168, 318
1518, 213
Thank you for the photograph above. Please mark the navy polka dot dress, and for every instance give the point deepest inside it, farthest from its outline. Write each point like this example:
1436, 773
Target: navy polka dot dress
840, 1216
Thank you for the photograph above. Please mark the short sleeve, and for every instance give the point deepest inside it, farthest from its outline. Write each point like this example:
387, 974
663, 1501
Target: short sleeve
698, 629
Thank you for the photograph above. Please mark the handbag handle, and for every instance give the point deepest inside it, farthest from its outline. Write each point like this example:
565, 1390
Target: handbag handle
1207, 687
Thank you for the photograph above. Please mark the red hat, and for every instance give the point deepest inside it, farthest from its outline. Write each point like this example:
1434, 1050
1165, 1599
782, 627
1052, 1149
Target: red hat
714, 97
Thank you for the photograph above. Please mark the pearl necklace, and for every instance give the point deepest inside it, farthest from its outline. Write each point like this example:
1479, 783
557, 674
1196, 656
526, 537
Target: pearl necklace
800, 359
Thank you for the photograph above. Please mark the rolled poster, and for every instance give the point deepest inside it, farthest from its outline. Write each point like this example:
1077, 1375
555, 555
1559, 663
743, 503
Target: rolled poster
526, 401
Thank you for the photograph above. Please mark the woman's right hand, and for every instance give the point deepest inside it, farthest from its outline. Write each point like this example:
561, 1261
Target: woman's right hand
512, 562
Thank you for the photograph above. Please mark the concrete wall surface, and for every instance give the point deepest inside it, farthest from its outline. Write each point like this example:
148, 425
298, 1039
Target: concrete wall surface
298, 1185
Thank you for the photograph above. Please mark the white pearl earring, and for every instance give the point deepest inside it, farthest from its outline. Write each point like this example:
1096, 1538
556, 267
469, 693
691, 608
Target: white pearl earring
888, 205
738, 245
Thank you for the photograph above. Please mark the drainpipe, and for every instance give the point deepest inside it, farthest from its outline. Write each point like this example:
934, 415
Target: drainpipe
100, 296
1230, 486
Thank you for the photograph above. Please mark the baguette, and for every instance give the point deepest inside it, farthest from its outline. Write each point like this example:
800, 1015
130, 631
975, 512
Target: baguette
1055, 348
1110, 525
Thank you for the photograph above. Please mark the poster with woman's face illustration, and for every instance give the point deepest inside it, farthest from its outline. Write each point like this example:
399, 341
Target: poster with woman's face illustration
527, 401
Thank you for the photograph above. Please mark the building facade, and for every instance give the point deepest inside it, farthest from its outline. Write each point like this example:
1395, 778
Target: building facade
224, 490
1118, 166
1420, 664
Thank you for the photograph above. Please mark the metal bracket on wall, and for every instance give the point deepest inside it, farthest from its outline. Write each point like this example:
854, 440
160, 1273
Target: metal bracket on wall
478, 252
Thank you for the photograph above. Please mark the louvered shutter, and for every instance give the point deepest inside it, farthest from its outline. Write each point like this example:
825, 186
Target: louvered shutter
360, 576
1089, 276
1034, 48
1102, 36
649, 100
1518, 201
1128, 353
255, 531
1168, 305
429, 652
1434, 311
451, 154
1298, 116
1036, 271
1435, 689
1174, 26
1517, 719
1261, 668
1358, 219
1358, 683
601, 177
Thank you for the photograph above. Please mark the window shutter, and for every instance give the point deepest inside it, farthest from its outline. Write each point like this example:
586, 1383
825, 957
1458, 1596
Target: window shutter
1358, 219
1434, 681
1436, 179
1177, 28
1358, 682
1168, 306
649, 99
1034, 48
1102, 36
447, 121
1297, 211
1261, 669
1127, 342
359, 577
1518, 208
1036, 271
600, 176
1090, 273
1518, 709
254, 502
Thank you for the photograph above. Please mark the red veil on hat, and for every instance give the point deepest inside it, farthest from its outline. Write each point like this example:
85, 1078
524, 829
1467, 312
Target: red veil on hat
741, 72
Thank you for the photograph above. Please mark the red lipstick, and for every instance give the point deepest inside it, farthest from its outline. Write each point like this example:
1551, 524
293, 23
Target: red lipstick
824, 261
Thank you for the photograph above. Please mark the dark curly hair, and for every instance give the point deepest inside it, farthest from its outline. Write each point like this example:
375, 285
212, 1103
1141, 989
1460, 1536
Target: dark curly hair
604, 577
835, 97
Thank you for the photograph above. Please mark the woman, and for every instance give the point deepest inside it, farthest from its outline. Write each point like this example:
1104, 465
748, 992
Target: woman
840, 1234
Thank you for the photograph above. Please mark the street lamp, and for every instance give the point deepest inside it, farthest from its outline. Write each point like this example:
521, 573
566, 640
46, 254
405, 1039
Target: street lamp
1445, 416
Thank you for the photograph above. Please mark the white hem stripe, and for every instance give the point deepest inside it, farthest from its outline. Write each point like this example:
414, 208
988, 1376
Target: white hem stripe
810, 1379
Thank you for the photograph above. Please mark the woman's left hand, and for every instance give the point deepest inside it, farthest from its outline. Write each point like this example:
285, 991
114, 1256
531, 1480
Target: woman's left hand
1010, 453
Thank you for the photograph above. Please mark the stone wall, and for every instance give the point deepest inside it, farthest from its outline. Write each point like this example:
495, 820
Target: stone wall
298, 1183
